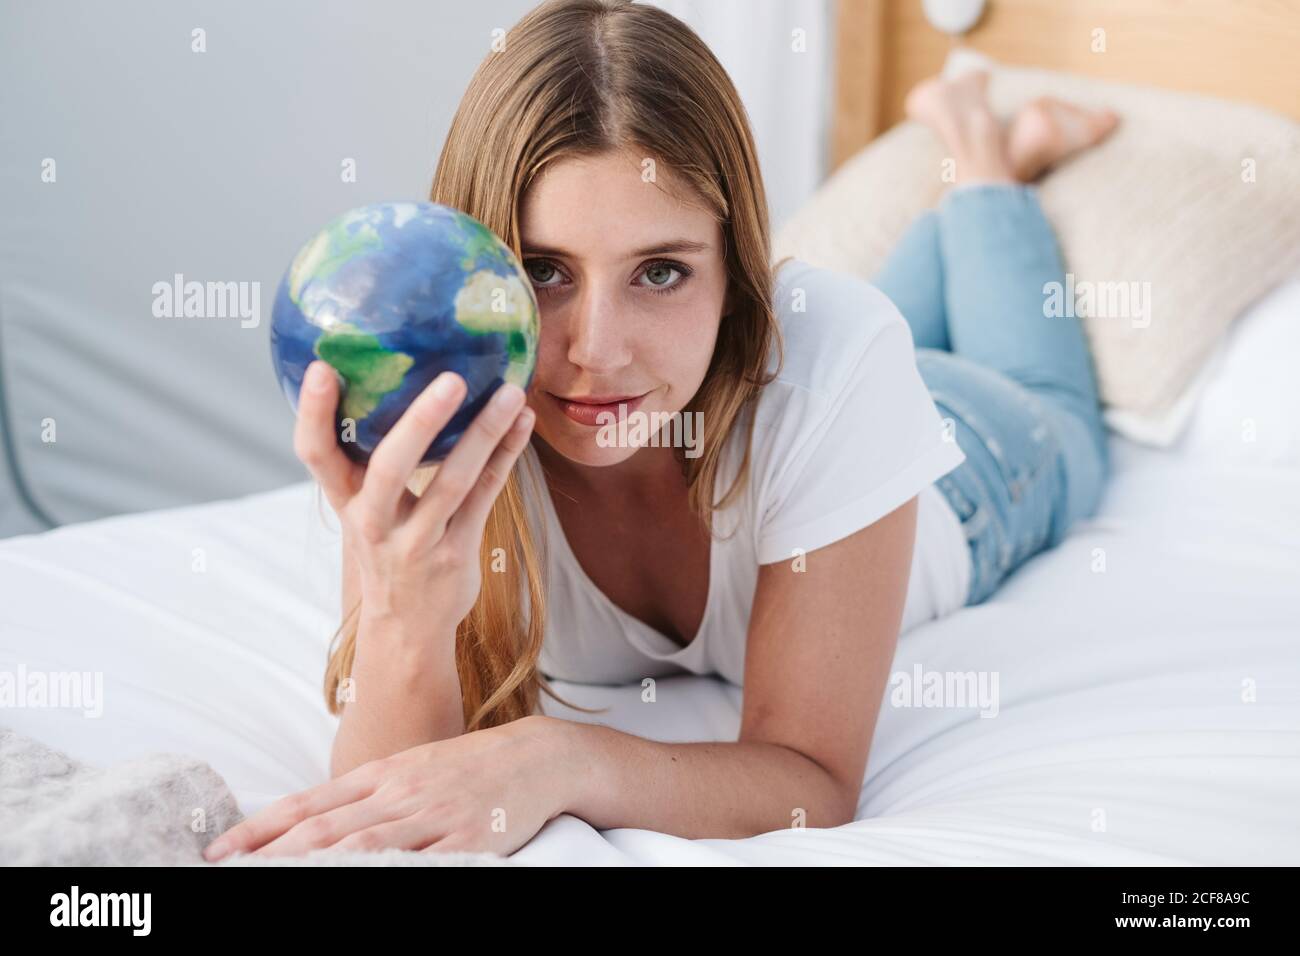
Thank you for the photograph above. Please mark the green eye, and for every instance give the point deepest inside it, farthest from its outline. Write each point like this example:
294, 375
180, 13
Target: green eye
665, 271
665, 284
533, 264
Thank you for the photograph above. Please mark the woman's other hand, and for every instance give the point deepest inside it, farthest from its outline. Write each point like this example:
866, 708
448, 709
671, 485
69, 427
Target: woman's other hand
487, 791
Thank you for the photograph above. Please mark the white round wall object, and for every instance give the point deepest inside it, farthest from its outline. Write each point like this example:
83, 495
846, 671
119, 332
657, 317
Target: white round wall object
953, 16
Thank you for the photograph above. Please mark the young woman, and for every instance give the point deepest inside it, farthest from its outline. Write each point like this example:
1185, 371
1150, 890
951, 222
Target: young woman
608, 147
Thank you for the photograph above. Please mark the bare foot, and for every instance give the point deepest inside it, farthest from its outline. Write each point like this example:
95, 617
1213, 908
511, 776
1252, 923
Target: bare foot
1048, 131
932, 99
957, 110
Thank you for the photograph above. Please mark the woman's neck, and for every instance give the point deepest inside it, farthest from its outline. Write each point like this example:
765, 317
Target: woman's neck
650, 471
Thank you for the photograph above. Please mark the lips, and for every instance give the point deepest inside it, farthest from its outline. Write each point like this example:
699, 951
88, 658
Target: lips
588, 410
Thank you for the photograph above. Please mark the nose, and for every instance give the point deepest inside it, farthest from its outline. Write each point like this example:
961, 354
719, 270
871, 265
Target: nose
598, 340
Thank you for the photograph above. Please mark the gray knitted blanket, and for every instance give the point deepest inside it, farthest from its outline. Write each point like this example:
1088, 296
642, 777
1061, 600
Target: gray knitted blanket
159, 810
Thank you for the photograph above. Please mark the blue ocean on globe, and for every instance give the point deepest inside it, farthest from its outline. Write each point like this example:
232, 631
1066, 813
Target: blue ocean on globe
391, 295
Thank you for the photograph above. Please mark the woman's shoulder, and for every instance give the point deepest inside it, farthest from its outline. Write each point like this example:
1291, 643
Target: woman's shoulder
835, 327
847, 430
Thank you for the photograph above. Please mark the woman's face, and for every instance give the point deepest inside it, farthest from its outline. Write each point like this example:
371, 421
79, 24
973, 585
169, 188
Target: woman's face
632, 285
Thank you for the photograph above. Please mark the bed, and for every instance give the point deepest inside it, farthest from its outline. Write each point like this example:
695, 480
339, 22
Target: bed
1144, 676
1155, 721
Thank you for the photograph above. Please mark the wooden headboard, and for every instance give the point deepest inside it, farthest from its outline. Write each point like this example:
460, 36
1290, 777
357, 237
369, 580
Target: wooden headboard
1236, 49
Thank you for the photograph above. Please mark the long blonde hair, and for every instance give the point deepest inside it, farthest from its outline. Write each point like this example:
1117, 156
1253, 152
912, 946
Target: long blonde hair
574, 78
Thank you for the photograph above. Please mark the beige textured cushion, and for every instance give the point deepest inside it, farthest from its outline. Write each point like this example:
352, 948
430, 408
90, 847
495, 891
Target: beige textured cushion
1194, 201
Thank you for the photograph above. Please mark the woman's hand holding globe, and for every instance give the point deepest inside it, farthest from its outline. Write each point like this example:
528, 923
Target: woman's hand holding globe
417, 557
405, 336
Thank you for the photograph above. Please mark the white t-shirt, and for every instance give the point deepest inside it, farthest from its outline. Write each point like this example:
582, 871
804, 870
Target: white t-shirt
845, 434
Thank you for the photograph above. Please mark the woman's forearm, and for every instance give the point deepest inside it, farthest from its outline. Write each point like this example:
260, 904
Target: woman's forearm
722, 790
404, 692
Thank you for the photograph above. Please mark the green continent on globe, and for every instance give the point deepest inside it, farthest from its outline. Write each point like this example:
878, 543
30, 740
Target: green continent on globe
371, 369
488, 302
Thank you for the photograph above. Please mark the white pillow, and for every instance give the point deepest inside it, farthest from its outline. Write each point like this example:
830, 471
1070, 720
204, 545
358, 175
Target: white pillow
1249, 409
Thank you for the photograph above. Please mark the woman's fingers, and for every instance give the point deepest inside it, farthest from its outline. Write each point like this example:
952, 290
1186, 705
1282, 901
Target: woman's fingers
288, 812
328, 828
399, 452
461, 470
315, 441
471, 517
412, 832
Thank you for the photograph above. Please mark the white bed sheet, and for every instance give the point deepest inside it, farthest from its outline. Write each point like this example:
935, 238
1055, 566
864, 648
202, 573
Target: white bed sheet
1148, 713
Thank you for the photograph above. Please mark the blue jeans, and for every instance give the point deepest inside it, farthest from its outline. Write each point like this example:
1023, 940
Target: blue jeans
1015, 386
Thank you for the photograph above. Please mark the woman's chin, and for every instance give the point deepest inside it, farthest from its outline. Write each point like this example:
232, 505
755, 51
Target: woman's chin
581, 444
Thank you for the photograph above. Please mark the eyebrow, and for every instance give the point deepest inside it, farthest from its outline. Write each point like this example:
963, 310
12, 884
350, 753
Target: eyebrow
658, 249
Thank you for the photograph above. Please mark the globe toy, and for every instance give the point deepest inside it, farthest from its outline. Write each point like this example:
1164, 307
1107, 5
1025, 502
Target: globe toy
393, 294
